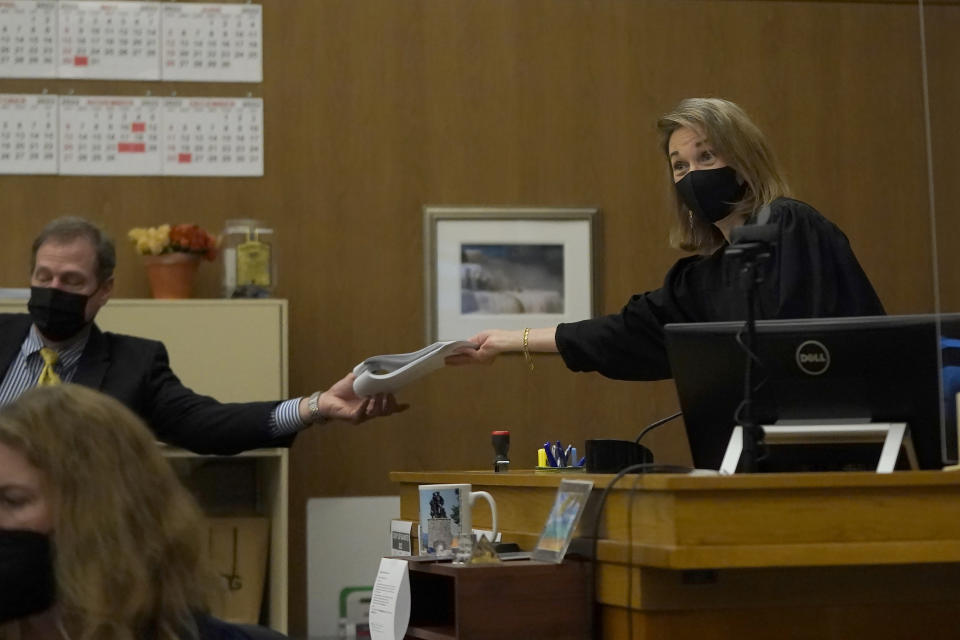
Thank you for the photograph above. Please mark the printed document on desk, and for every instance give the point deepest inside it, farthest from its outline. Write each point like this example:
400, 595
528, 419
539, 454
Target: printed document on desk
390, 601
388, 373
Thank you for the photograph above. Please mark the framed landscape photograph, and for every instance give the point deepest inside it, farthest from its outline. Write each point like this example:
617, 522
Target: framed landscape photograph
507, 268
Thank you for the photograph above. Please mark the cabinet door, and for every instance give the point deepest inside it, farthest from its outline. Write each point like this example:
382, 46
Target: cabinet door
232, 350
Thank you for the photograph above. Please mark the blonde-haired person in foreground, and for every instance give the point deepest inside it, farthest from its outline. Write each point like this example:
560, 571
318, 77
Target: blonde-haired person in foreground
724, 175
98, 538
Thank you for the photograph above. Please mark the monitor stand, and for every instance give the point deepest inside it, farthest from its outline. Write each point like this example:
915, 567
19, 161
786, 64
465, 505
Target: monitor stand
893, 435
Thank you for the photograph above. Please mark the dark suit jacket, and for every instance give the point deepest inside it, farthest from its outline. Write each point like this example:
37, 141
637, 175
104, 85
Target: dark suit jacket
137, 372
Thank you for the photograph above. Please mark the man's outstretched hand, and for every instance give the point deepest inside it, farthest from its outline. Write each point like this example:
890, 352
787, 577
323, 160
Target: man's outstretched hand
339, 402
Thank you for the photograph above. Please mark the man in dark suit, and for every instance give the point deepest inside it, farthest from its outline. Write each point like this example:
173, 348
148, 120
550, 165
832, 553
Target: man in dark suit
71, 279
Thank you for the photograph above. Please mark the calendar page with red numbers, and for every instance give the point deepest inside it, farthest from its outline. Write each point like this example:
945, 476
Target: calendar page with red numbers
28, 134
28, 39
213, 42
213, 136
109, 40
110, 135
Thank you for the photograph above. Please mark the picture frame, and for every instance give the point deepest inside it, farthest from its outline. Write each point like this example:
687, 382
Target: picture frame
568, 506
507, 268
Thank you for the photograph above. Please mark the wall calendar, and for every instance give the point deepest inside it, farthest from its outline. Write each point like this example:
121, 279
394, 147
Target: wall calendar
28, 134
131, 40
109, 40
28, 39
131, 135
110, 135
213, 42
213, 136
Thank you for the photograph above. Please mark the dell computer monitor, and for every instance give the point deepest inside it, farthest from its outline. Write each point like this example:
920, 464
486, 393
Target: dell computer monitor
832, 370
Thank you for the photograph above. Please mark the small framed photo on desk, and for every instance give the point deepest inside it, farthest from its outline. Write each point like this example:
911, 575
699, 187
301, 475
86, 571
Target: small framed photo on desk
507, 267
567, 508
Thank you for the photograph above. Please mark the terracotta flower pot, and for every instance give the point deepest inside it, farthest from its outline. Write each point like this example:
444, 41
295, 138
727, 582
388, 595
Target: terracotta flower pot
171, 275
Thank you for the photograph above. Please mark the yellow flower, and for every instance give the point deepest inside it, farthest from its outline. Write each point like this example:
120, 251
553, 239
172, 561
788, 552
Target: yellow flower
151, 240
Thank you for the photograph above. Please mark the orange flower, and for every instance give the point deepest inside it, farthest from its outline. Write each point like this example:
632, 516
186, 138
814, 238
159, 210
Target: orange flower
193, 239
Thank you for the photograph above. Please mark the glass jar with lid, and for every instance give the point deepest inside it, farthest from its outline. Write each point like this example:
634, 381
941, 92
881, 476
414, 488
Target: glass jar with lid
249, 269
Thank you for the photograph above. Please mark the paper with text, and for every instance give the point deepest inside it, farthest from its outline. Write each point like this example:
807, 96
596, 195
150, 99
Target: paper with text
110, 40
110, 135
390, 601
28, 134
28, 39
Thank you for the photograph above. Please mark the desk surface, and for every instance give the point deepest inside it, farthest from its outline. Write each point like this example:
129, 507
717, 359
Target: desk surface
673, 521
687, 482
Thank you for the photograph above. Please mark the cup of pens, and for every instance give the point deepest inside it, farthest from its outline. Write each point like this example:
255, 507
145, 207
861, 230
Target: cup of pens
554, 456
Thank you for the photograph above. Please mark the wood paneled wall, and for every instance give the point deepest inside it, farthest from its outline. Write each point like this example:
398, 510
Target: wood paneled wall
943, 53
375, 108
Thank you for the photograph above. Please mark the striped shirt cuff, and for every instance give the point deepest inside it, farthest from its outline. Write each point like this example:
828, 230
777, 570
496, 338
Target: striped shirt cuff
285, 419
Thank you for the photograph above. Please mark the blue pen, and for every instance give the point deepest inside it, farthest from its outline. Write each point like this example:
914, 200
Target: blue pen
582, 462
558, 454
550, 459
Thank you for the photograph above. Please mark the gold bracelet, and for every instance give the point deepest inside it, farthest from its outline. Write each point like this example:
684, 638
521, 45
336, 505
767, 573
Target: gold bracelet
526, 348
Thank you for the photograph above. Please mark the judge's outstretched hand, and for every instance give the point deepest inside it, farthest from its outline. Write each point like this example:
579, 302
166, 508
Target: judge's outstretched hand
490, 343
339, 402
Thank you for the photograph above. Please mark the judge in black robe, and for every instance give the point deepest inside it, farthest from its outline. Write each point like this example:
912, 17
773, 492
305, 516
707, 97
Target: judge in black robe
725, 176
813, 274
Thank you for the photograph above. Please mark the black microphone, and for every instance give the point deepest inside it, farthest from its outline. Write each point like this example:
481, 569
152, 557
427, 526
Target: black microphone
752, 239
751, 245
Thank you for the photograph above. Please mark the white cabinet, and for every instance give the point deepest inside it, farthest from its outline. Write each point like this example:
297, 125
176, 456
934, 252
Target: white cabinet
235, 351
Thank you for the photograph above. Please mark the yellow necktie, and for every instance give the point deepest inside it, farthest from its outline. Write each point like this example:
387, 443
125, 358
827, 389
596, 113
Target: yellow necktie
48, 376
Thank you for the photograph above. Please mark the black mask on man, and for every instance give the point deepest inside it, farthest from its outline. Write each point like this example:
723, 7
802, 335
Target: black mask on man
58, 314
711, 193
27, 584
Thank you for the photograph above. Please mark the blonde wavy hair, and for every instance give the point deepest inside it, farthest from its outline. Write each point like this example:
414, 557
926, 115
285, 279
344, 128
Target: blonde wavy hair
741, 144
127, 536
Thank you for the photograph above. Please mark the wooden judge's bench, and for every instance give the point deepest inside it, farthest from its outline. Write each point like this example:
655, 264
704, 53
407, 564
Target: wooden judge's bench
814, 555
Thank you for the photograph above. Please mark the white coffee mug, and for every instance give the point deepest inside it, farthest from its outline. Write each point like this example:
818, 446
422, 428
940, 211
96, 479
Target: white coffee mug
445, 515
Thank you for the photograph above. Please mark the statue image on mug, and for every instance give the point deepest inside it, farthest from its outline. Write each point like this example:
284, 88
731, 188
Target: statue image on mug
445, 514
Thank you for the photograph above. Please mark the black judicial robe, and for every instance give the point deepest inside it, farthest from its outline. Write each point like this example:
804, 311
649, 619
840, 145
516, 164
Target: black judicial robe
813, 274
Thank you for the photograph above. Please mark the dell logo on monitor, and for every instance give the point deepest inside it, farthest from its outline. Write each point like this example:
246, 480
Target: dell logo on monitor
813, 357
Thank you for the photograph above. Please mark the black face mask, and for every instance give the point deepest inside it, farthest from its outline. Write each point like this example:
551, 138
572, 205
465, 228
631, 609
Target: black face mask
27, 585
711, 193
58, 314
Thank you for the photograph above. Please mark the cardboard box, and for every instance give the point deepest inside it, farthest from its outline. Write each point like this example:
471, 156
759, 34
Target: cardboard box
237, 549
